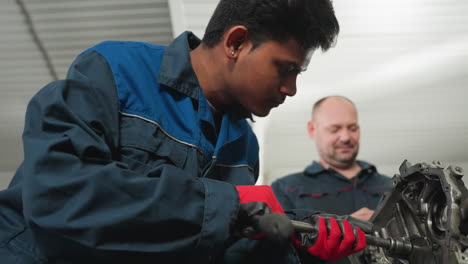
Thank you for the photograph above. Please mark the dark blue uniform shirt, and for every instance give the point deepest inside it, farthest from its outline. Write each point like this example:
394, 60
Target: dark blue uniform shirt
321, 189
123, 163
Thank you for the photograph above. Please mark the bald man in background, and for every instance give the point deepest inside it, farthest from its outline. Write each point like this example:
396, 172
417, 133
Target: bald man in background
337, 183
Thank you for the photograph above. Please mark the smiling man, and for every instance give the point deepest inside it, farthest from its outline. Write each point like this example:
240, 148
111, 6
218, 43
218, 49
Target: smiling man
337, 183
143, 153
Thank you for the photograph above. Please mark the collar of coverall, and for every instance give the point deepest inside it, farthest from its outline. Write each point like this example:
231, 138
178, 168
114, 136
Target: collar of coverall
177, 73
316, 168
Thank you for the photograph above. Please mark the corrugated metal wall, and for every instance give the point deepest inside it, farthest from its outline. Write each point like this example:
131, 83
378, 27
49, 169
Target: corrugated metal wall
67, 27
63, 29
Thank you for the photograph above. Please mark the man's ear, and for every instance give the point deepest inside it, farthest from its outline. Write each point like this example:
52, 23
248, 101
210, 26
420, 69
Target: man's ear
311, 129
235, 40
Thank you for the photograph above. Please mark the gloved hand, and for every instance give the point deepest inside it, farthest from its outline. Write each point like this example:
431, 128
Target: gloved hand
255, 202
336, 238
364, 225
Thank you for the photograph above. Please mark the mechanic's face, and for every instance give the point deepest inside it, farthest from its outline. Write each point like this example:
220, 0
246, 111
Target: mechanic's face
263, 77
335, 130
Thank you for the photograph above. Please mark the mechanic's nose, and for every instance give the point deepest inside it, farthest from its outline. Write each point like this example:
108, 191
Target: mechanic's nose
345, 135
289, 88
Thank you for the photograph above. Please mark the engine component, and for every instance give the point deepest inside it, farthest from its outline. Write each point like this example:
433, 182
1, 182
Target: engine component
424, 219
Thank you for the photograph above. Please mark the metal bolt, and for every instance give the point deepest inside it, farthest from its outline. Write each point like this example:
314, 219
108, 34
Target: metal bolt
456, 171
437, 164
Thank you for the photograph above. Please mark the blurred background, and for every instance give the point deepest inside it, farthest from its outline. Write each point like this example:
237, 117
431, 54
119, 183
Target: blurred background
404, 64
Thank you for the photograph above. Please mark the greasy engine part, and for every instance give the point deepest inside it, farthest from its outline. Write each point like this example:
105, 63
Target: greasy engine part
424, 218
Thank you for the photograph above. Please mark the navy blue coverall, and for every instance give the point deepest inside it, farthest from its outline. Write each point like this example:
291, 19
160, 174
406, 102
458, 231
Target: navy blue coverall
326, 190
317, 188
123, 164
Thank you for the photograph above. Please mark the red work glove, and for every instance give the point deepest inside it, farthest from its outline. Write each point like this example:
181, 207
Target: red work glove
334, 240
255, 202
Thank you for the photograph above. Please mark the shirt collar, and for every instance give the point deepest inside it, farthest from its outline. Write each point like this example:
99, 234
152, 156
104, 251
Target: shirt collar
369, 168
176, 71
316, 168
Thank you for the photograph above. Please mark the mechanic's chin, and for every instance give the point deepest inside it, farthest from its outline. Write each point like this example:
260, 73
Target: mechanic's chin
347, 158
265, 110
261, 112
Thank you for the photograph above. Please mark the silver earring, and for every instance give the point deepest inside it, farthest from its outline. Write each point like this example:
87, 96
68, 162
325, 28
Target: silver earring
233, 52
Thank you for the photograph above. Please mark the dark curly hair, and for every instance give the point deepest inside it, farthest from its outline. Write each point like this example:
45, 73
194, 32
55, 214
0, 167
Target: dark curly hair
311, 22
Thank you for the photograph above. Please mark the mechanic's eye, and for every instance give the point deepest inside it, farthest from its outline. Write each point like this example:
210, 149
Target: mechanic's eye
333, 129
354, 128
288, 69
291, 68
